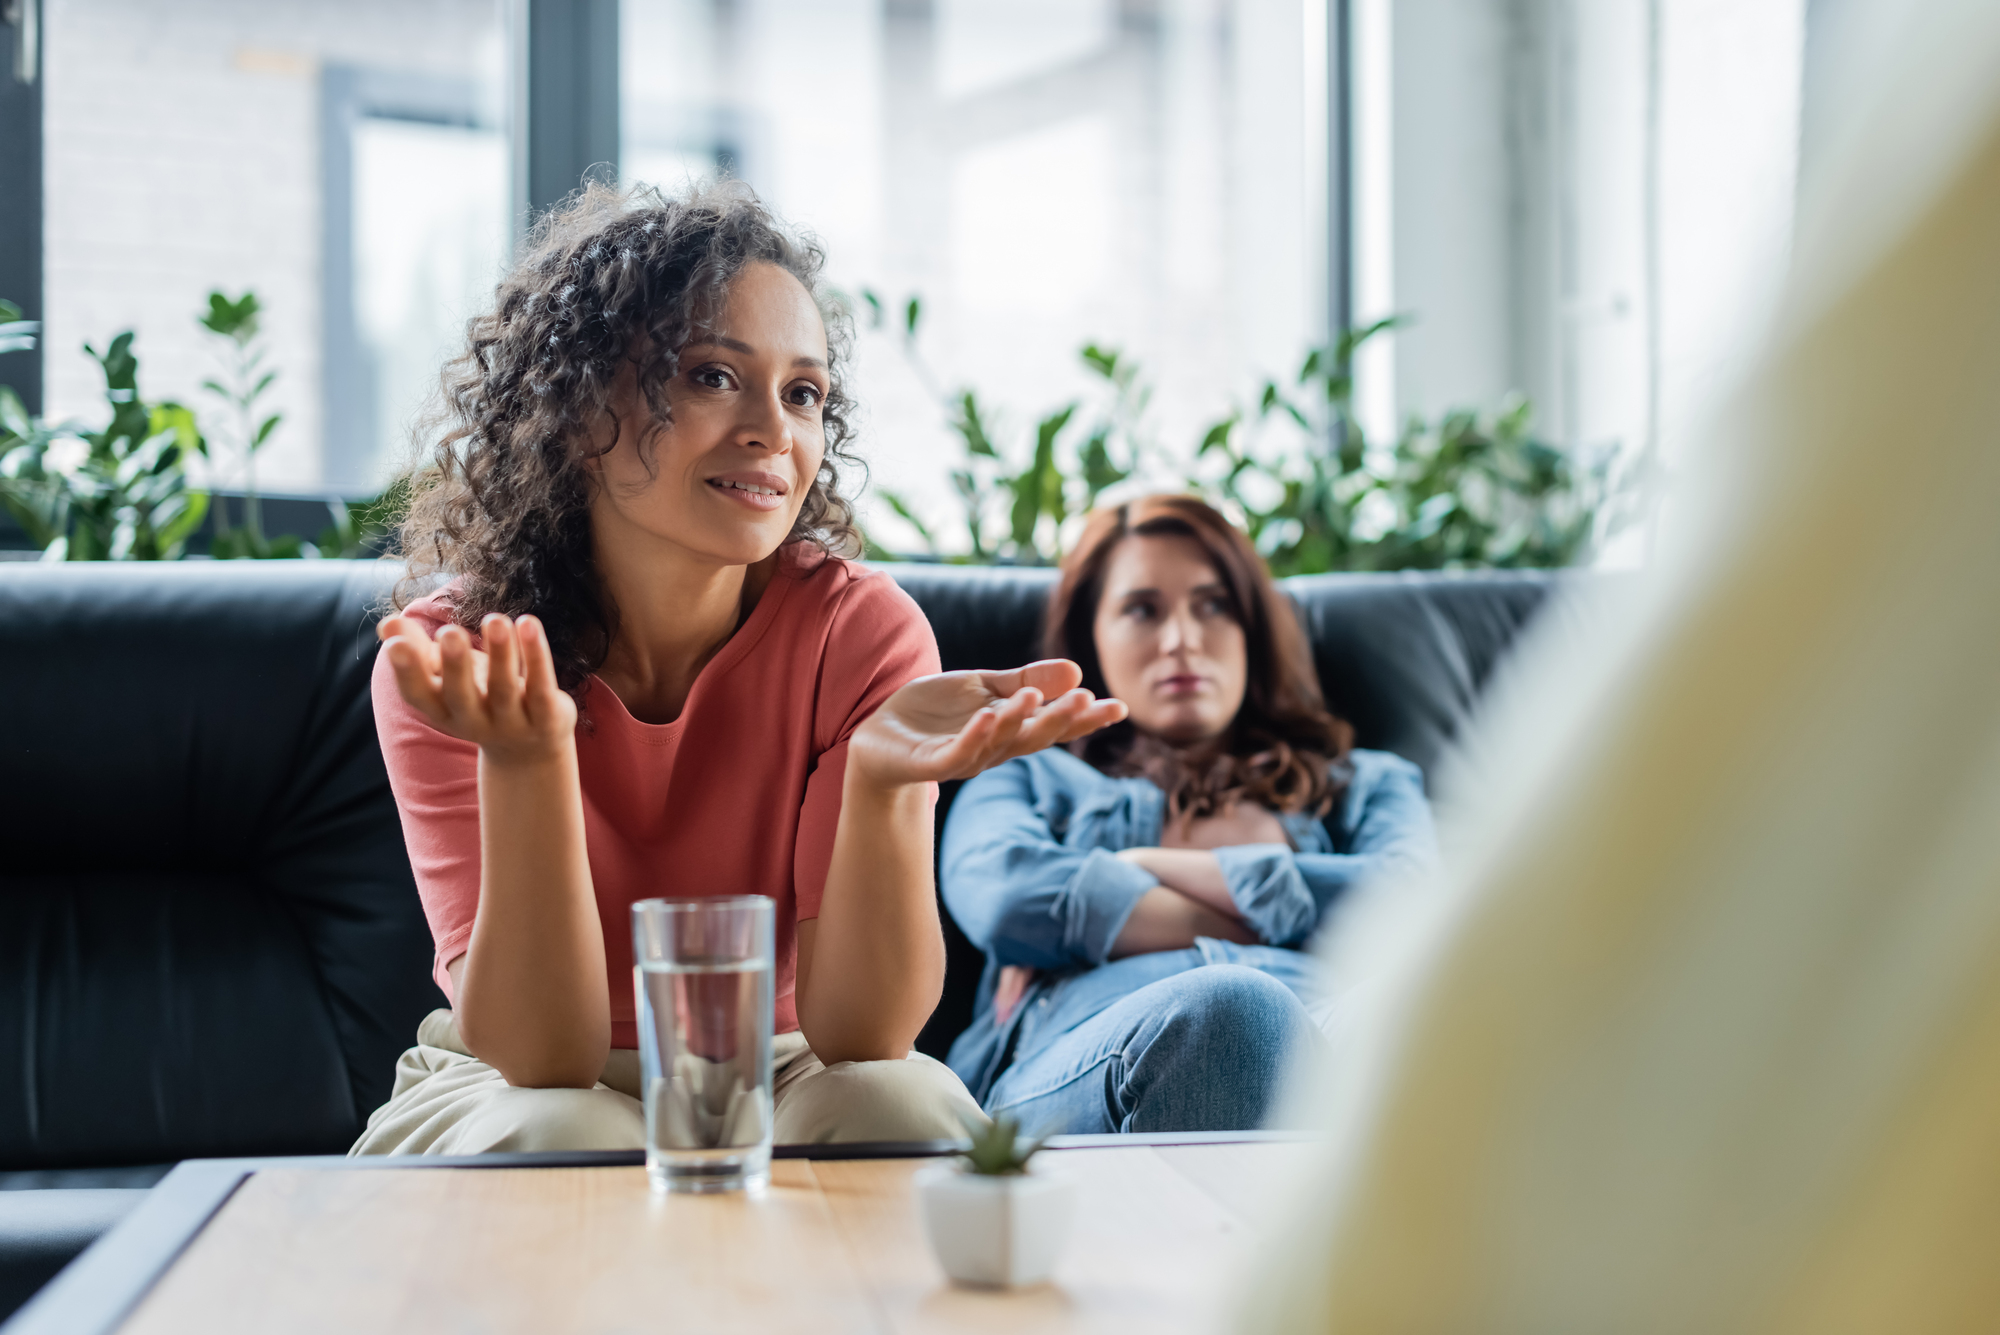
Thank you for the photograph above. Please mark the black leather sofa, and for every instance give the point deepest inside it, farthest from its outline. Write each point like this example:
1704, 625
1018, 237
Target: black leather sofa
210, 943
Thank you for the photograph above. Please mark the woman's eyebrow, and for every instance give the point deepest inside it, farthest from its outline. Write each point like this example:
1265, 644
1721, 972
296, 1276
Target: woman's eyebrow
738, 345
723, 341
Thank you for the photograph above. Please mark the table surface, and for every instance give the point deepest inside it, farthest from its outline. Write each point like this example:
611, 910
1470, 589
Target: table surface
833, 1246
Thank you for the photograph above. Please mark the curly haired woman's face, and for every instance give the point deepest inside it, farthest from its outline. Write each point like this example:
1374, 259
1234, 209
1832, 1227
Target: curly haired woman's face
728, 474
1168, 643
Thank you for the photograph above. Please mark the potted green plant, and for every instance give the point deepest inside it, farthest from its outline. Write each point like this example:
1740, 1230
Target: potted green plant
992, 1221
116, 494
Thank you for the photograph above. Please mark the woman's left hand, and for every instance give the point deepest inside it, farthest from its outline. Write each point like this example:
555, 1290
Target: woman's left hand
955, 724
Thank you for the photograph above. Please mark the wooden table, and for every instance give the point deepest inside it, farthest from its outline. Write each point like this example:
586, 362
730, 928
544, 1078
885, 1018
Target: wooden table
833, 1246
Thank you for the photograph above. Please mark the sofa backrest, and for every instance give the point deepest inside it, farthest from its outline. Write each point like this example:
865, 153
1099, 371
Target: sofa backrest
210, 941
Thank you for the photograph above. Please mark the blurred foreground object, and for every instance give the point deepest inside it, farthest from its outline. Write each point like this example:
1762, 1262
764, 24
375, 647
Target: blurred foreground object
1704, 1035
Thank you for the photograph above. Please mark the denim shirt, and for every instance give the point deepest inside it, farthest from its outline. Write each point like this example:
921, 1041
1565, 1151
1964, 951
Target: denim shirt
1031, 874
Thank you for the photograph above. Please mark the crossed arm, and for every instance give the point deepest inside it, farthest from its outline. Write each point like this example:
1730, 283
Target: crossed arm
1192, 899
1023, 891
530, 992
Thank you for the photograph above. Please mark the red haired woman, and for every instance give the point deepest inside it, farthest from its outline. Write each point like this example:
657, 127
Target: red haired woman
1142, 897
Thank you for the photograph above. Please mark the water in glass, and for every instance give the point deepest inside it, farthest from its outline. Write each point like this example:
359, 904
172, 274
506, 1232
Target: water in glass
705, 1050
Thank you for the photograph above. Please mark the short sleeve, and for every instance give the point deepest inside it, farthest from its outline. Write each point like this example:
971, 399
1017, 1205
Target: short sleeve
877, 642
435, 779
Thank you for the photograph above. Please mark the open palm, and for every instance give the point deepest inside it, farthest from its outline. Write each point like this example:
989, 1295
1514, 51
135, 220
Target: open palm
503, 698
955, 724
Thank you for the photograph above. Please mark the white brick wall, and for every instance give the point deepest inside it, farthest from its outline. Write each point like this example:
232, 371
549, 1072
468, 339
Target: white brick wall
182, 154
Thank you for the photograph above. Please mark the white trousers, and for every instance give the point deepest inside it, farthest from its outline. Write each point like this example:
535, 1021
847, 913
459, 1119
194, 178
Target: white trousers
447, 1101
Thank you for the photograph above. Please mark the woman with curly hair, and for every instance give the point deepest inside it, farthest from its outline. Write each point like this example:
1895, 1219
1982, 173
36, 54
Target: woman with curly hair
643, 664
1143, 897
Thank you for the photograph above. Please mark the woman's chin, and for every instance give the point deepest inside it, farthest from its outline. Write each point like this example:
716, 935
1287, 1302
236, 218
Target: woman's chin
738, 544
1181, 731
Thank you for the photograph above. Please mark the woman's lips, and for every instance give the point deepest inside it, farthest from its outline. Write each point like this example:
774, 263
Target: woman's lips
1186, 683
755, 491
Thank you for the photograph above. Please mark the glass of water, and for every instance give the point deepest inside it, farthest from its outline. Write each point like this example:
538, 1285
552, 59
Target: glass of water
702, 969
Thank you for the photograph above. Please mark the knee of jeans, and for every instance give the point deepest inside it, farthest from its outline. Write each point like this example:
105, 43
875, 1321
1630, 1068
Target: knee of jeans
1235, 1004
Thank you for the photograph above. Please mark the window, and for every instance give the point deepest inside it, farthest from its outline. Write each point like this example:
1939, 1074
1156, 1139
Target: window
415, 174
1587, 202
199, 145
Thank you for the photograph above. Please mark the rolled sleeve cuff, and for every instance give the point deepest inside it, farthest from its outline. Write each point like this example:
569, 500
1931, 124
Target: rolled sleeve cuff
1269, 892
1097, 901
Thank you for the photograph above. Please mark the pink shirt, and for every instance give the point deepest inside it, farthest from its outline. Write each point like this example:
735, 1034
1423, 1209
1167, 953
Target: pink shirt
739, 795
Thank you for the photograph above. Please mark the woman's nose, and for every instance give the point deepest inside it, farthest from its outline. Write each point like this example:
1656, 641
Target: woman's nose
765, 424
1181, 632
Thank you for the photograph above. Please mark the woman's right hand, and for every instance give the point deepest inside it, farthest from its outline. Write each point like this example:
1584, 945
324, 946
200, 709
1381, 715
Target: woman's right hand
504, 699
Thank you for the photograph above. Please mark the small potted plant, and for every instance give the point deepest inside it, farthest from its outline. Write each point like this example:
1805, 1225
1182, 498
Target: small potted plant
991, 1221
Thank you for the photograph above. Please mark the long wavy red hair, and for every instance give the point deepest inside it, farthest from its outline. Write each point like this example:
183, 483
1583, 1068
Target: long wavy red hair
1283, 750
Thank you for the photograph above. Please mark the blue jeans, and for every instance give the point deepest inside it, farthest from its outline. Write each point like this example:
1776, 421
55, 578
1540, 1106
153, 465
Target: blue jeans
1178, 1040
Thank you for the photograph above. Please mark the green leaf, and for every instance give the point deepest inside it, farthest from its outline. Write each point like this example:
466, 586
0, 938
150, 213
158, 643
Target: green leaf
874, 304
1273, 401
1038, 488
33, 518
909, 516
1350, 449
972, 427
16, 334
1350, 340
179, 422
1217, 436
85, 544
14, 417
973, 498
1098, 470
1049, 428
263, 384
236, 320
265, 429
911, 313
997, 1147
175, 531
1027, 508
121, 390
1054, 503
1104, 361
121, 367
342, 537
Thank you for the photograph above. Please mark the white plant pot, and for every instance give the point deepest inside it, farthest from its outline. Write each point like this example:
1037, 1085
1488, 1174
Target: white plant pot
998, 1231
